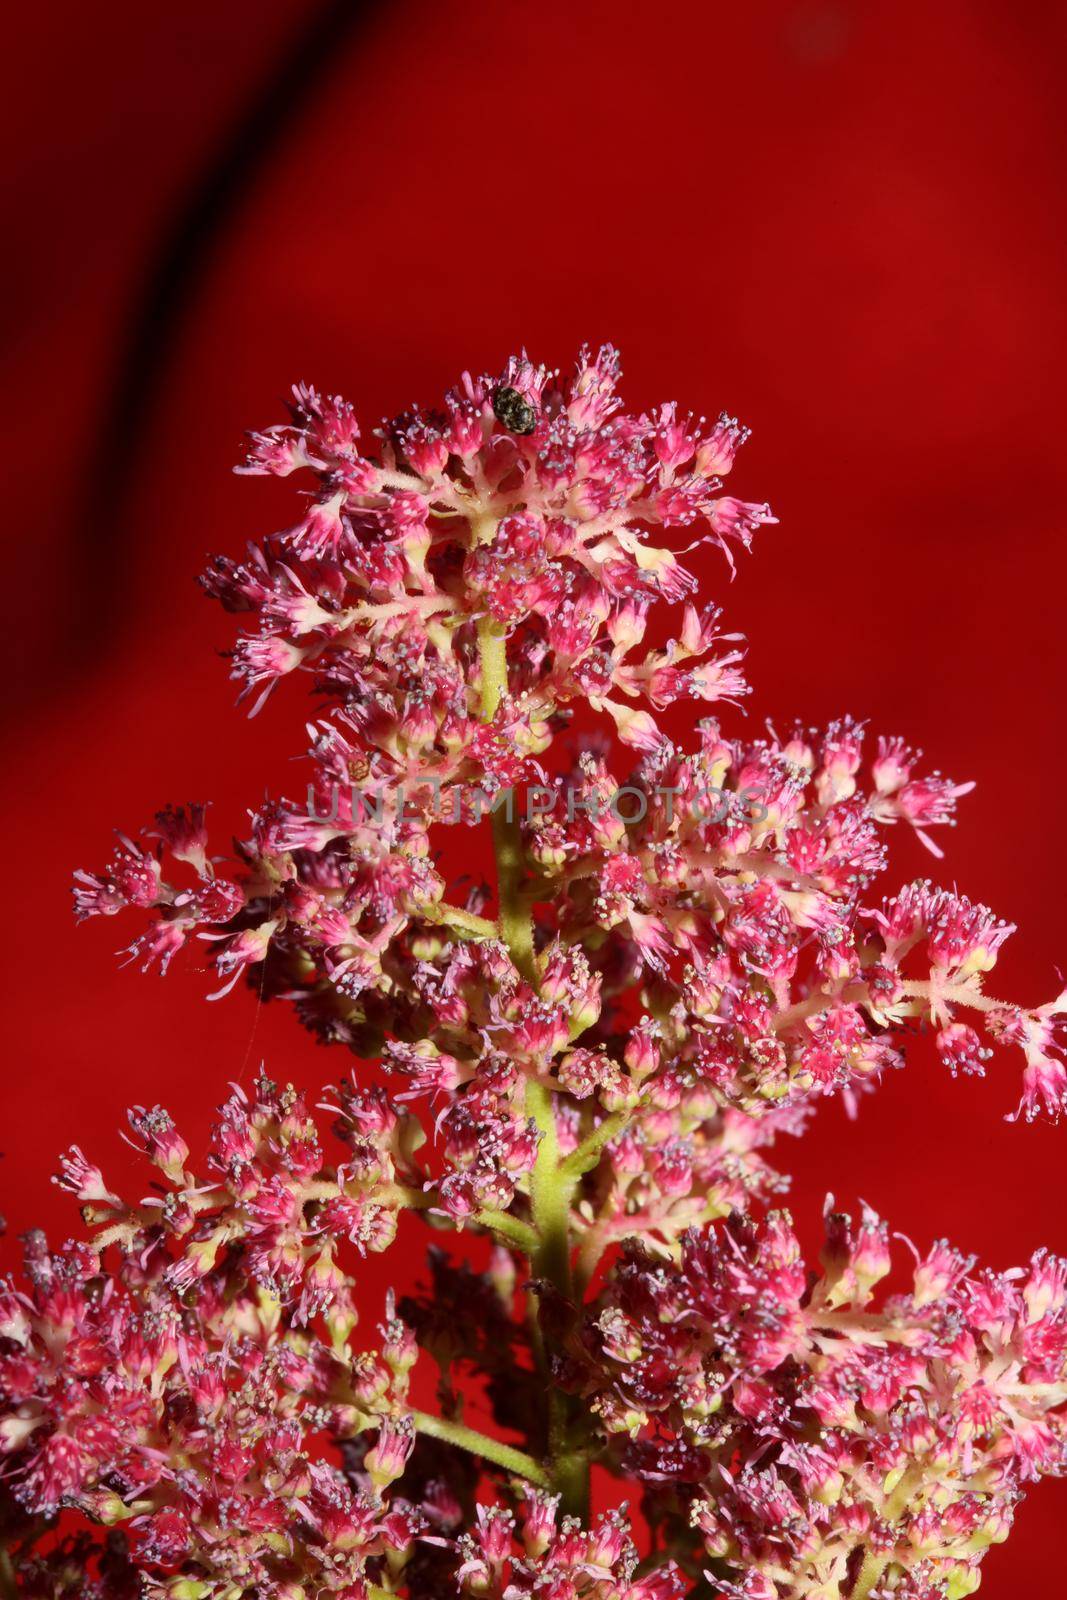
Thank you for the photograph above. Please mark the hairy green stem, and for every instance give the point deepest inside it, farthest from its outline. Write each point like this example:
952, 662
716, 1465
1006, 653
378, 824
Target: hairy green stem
516, 925
514, 1461
551, 1184
874, 1564
516, 1232
551, 1192
588, 1152
570, 1471
493, 659
960, 994
455, 917
919, 990
870, 1574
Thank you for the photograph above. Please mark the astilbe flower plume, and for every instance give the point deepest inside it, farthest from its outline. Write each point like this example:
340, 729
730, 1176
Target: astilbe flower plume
586, 1063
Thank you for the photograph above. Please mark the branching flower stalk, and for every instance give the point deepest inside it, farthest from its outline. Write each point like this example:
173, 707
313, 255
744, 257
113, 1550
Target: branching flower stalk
551, 1185
585, 1064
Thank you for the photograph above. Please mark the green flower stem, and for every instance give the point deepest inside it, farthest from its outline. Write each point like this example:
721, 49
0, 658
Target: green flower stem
870, 1574
516, 1232
875, 1564
455, 917
552, 1189
517, 1462
402, 1193
570, 1477
492, 651
961, 994
551, 1192
585, 1158
552, 1185
515, 925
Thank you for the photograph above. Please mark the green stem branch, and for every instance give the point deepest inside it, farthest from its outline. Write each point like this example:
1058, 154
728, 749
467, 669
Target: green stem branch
516, 1232
493, 659
960, 994
874, 1562
517, 1462
551, 1192
455, 917
586, 1156
551, 1185
870, 1574
515, 925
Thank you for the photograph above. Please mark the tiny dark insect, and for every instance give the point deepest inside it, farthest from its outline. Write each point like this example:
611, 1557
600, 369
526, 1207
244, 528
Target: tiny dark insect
514, 412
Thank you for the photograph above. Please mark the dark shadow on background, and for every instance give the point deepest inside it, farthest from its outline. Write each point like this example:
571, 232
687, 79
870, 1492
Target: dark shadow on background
182, 262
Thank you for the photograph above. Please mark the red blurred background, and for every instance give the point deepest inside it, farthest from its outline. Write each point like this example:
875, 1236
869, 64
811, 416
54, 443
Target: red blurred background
844, 223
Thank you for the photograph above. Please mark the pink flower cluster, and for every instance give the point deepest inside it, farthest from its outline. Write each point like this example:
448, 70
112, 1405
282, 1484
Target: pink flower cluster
585, 1063
808, 1431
